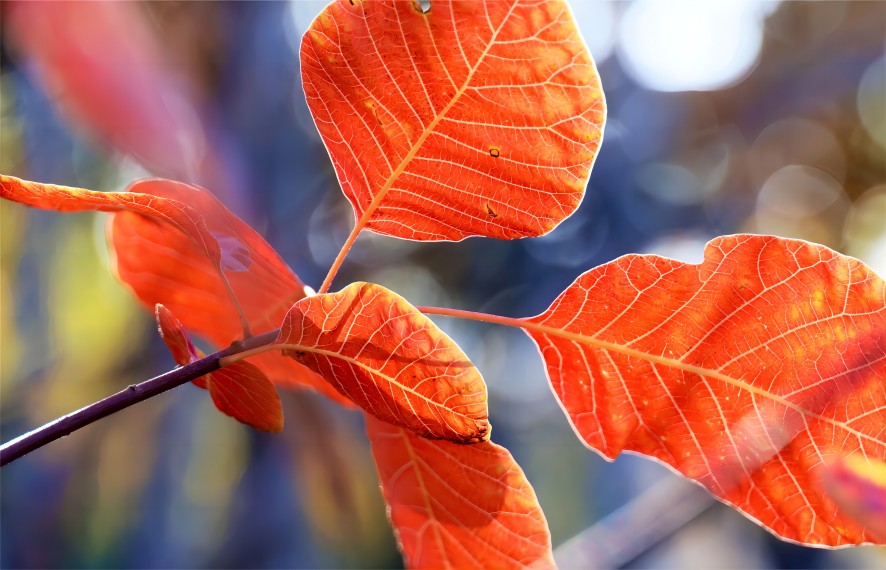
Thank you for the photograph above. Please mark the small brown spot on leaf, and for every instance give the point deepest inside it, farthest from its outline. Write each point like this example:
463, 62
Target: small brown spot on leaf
490, 212
494, 151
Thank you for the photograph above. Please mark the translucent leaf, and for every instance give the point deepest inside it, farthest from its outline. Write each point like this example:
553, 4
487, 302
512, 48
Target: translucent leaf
748, 373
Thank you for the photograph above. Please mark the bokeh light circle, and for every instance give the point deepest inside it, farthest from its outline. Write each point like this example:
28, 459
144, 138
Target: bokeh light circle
690, 45
871, 101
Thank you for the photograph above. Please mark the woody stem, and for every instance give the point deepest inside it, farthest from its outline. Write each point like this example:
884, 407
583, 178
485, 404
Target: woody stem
133, 394
136, 393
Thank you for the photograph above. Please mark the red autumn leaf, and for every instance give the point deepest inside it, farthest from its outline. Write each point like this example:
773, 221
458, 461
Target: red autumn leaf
160, 266
177, 341
474, 118
103, 65
174, 335
239, 390
242, 391
858, 486
748, 373
177, 245
66, 199
458, 506
391, 360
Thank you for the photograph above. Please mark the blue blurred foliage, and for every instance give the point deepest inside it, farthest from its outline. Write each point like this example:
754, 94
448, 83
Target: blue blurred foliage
308, 498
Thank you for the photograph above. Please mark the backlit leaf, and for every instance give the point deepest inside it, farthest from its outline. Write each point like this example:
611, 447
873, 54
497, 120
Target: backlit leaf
749, 373
177, 245
239, 390
242, 391
107, 70
66, 199
178, 341
458, 506
474, 118
391, 360
174, 335
159, 265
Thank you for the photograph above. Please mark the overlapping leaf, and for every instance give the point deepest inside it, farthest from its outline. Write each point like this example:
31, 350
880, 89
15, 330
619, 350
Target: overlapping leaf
67, 199
159, 266
473, 118
458, 506
239, 390
177, 245
162, 266
103, 65
748, 373
378, 350
175, 337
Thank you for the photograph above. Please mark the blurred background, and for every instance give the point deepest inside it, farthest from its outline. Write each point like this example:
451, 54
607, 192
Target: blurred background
725, 116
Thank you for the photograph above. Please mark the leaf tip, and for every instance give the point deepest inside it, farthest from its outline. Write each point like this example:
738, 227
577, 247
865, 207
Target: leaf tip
484, 432
174, 336
275, 425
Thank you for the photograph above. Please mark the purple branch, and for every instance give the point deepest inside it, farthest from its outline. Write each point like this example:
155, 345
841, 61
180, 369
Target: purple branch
135, 393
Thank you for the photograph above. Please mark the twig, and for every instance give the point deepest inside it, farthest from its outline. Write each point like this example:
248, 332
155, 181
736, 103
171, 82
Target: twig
634, 528
133, 394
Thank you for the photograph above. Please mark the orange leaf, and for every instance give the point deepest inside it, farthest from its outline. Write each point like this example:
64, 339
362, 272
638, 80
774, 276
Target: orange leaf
474, 118
176, 244
177, 341
377, 349
242, 391
160, 266
748, 372
239, 390
458, 506
174, 335
103, 65
66, 199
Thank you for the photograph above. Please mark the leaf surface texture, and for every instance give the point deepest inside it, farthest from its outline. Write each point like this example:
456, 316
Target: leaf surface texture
160, 266
472, 119
177, 245
458, 506
391, 360
748, 373
240, 390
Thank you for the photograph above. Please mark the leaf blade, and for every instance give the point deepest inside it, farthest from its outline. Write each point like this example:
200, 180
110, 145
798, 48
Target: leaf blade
68, 199
174, 336
382, 353
165, 238
641, 353
240, 390
159, 265
485, 516
433, 161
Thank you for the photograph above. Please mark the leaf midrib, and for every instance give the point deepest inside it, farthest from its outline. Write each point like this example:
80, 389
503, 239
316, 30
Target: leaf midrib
530, 325
391, 380
699, 370
395, 174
